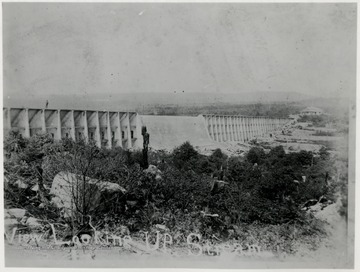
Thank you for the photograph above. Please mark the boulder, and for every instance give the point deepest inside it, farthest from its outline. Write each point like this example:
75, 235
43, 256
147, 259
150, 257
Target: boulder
67, 187
6, 214
152, 169
161, 227
10, 223
35, 188
33, 222
22, 185
18, 213
317, 207
110, 187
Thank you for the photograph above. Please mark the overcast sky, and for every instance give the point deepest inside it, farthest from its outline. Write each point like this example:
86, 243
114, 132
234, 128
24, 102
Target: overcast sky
119, 48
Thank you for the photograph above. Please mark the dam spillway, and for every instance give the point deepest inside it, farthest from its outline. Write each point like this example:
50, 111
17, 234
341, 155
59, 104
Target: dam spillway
123, 129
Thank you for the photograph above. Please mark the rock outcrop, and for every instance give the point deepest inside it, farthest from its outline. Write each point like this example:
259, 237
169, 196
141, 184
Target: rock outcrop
69, 191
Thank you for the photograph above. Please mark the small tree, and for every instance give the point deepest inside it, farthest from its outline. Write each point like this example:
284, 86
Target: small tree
255, 155
185, 156
83, 168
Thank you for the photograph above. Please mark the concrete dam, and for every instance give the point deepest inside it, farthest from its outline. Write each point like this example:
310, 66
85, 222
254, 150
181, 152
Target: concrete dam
123, 129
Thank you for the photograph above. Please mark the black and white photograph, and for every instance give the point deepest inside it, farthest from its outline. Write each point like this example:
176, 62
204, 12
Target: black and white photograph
191, 135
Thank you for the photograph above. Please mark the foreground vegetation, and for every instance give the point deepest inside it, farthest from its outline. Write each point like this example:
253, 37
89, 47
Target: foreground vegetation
256, 198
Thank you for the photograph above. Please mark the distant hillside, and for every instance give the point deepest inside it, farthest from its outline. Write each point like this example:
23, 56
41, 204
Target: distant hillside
136, 101
336, 106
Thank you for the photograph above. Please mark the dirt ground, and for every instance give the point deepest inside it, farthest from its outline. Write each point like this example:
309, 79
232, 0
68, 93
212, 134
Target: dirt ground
332, 253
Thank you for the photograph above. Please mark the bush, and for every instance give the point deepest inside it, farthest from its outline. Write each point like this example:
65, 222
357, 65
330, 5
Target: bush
185, 156
255, 155
253, 190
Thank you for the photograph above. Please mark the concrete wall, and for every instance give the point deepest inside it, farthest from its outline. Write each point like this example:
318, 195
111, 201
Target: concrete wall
237, 128
168, 132
106, 128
